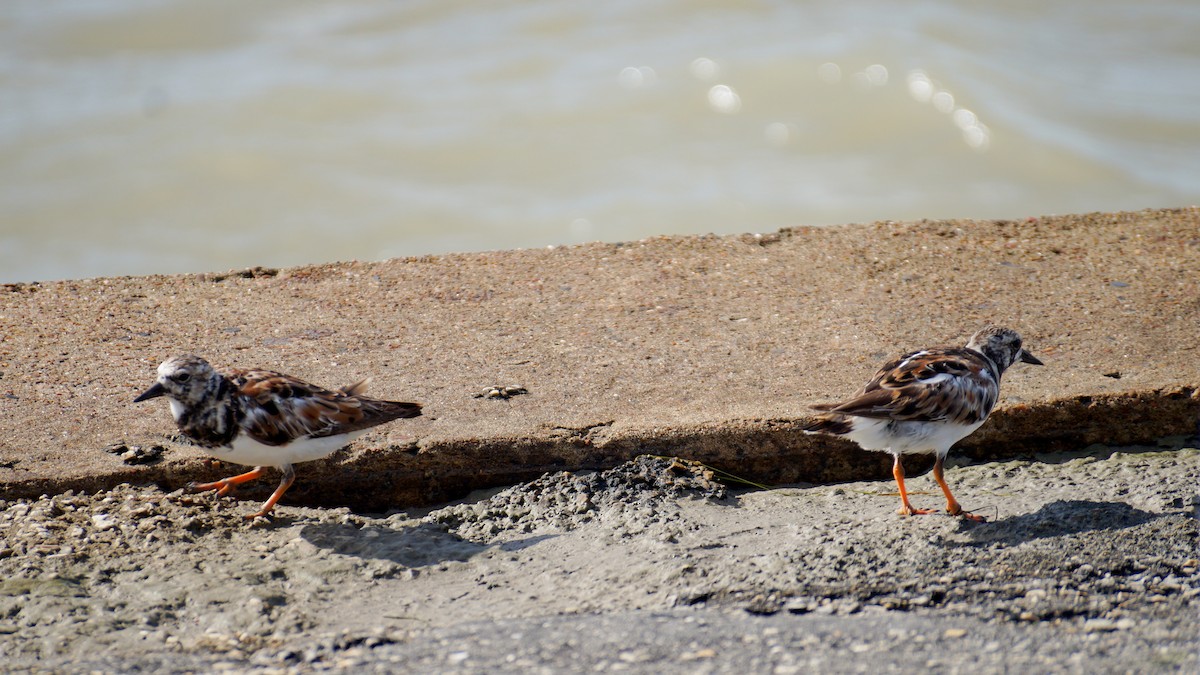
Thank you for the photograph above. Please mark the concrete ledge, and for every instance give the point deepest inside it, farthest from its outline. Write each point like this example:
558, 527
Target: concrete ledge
705, 347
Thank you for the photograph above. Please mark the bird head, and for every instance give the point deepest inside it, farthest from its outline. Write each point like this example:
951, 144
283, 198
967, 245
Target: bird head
182, 379
1002, 346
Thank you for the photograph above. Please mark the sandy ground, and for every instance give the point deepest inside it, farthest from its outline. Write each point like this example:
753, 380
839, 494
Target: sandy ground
1088, 564
708, 348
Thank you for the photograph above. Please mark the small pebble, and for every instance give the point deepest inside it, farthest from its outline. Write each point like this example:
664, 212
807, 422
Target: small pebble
103, 521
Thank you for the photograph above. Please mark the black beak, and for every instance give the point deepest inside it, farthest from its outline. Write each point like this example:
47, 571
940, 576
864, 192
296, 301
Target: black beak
153, 392
1023, 357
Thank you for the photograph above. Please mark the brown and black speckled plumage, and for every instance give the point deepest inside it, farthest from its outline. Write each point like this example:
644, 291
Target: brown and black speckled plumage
908, 388
927, 400
264, 418
276, 409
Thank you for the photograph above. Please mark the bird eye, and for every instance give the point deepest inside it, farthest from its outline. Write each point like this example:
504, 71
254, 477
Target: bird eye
183, 377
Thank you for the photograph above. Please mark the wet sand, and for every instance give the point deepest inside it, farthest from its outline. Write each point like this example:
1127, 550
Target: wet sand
707, 348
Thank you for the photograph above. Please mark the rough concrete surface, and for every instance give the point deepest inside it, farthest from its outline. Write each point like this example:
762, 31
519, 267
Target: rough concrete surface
706, 348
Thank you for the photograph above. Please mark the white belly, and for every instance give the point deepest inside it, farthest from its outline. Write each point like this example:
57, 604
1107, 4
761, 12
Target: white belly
905, 438
250, 452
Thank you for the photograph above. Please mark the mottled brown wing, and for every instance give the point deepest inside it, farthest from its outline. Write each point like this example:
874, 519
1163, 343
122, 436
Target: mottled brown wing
279, 408
357, 389
926, 385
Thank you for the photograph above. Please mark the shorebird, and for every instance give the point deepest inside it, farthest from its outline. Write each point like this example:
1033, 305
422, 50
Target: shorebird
925, 402
262, 418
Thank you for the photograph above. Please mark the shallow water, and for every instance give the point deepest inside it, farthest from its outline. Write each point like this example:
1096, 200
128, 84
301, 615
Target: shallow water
168, 137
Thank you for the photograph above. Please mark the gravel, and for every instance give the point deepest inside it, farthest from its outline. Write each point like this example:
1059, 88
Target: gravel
1089, 564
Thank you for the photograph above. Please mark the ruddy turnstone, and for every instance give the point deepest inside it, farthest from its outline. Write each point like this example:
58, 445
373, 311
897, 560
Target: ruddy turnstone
262, 418
925, 402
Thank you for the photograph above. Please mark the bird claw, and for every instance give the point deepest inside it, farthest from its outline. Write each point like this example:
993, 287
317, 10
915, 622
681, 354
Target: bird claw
956, 510
221, 487
910, 511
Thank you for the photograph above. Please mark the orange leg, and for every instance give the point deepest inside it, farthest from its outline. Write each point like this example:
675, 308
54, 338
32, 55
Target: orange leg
225, 485
289, 477
906, 509
952, 505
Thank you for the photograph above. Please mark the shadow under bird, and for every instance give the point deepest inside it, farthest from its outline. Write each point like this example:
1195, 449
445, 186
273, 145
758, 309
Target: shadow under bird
262, 418
925, 402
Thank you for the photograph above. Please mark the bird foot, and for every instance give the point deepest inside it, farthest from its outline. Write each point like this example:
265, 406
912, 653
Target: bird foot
221, 486
969, 516
955, 510
910, 511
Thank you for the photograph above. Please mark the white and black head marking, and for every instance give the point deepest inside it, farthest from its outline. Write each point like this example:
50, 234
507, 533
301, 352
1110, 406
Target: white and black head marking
1002, 346
186, 379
